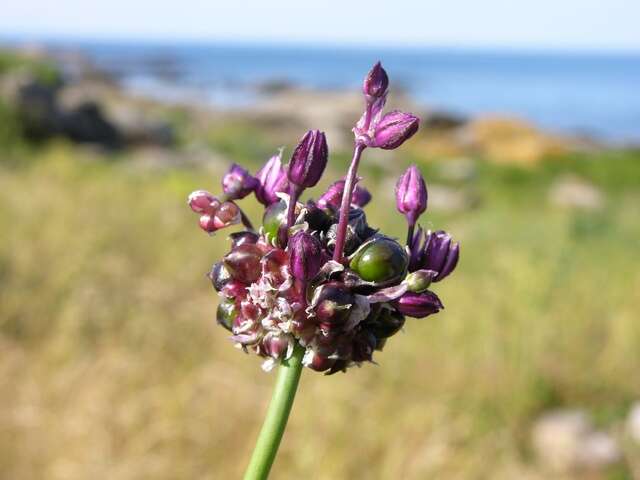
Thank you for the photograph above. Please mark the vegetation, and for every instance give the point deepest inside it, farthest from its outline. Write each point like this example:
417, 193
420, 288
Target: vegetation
112, 366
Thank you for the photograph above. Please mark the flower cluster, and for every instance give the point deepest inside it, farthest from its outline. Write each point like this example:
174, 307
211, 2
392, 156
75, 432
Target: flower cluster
316, 275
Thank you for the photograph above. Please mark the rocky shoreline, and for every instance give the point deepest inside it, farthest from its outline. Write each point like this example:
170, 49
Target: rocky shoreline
87, 105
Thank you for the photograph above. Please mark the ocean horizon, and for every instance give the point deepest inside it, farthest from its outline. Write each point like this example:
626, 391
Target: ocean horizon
578, 92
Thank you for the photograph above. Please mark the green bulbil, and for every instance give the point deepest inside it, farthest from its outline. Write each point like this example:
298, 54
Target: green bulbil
380, 260
226, 314
274, 216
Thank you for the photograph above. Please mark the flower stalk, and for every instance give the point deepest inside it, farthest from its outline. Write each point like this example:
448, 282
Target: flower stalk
275, 422
349, 185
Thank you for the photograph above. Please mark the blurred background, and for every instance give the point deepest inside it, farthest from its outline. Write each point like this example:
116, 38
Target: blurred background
112, 366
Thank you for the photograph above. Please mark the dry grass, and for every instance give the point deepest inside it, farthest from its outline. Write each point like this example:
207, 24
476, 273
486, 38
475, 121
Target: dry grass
112, 367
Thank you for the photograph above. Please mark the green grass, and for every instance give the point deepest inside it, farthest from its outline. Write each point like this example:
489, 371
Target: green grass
43, 70
112, 366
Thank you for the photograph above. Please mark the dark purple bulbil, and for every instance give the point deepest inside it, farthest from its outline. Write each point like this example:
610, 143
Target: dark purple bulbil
315, 275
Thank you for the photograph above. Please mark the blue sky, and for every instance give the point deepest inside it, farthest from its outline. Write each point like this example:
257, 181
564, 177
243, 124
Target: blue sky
539, 24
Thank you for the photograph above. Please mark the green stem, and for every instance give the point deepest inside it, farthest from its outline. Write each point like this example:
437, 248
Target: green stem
275, 422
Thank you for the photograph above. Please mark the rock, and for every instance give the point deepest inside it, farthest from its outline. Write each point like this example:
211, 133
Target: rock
460, 169
87, 124
448, 199
139, 128
34, 102
573, 192
565, 441
633, 423
442, 121
510, 140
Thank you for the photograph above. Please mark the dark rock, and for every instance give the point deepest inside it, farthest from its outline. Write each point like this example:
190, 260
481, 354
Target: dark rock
442, 121
87, 124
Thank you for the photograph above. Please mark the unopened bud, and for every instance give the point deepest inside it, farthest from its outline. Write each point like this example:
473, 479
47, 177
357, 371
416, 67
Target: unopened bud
237, 183
441, 254
376, 82
333, 196
272, 179
393, 129
305, 256
202, 201
227, 214
418, 305
309, 159
411, 194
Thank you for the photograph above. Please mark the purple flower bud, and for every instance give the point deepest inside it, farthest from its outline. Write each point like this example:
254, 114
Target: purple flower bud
440, 254
225, 215
376, 82
237, 183
411, 194
393, 129
333, 196
309, 159
202, 201
418, 305
272, 179
305, 256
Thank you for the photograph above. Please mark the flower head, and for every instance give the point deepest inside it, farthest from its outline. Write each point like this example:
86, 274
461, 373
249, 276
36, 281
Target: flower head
316, 275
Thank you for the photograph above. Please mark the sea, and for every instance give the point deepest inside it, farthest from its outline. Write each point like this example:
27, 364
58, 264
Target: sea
585, 93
